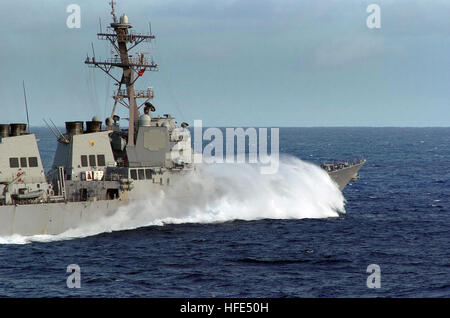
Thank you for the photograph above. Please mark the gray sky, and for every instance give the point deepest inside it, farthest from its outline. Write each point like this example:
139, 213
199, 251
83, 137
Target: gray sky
238, 62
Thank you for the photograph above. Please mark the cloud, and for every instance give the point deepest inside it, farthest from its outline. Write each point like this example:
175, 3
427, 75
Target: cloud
348, 50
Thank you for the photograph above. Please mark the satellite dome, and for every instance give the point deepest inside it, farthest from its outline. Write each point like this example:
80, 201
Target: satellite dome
95, 118
109, 121
124, 19
145, 120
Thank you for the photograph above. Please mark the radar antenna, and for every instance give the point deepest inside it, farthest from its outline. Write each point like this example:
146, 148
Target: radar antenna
123, 40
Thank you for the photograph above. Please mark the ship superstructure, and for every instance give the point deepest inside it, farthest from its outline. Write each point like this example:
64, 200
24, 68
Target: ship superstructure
21, 172
97, 166
105, 164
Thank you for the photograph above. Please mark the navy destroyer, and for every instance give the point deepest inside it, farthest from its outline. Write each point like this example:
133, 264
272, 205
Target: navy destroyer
344, 171
98, 166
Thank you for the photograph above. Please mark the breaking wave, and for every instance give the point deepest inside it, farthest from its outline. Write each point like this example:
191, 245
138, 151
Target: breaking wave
221, 193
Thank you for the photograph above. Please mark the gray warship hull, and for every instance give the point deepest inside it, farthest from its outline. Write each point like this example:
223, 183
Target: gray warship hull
57, 218
343, 176
53, 218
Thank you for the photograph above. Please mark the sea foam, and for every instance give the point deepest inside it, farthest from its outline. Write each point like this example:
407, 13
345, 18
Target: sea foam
220, 193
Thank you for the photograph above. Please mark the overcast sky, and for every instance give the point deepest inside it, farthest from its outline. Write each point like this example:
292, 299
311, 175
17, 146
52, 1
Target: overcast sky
238, 62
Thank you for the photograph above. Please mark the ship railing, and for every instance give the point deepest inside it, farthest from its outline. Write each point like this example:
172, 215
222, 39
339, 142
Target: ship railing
114, 177
142, 93
338, 165
130, 37
141, 62
131, 60
56, 198
24, 179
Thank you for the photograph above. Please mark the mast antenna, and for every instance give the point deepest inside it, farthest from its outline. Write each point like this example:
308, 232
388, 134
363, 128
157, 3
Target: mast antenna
123, 41
50, 128
113, 11
93, 52
26, 106
64, 139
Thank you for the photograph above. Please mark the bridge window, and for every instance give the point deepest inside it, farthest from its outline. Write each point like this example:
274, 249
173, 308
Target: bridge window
84, 161
14, 162
23, 162
32, 162
133, 174
148, 174
101, 160
92, 161
141, 174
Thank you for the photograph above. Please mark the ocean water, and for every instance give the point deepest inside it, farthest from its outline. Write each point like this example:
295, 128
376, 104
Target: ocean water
240, 234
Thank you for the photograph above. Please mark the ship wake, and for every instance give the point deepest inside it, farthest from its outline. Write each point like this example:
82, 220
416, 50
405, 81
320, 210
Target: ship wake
221, 193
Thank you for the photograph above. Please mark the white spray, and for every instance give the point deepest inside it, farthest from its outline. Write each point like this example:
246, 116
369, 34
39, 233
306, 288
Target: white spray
220, 193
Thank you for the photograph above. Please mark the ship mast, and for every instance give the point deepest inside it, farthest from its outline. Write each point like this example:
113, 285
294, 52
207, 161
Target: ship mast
120, 35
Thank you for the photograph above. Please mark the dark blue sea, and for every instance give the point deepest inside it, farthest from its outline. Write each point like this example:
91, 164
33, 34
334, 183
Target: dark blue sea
397, 217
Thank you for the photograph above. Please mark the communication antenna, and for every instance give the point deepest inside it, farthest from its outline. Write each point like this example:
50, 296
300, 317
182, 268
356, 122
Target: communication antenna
26, 107
62, 137
93, 52
123, 41
60, 133
113, 11
50, 128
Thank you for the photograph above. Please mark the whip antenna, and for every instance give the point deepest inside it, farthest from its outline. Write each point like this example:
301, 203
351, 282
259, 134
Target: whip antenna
26, 106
